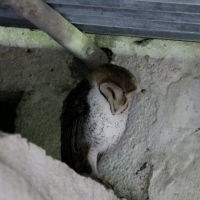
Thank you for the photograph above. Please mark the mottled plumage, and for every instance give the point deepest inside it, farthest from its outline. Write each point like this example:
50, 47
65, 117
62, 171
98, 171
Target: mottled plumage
94, 116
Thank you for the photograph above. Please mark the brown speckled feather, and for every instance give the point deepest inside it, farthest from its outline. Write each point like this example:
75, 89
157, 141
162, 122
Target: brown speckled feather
116, 74
74, 148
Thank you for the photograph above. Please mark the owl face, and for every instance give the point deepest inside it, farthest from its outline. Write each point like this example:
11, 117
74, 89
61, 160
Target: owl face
117, 97
116, 84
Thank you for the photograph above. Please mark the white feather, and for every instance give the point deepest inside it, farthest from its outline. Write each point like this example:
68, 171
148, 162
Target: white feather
103, 129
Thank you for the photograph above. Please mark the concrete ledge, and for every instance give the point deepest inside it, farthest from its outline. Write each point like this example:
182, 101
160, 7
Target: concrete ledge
26, 172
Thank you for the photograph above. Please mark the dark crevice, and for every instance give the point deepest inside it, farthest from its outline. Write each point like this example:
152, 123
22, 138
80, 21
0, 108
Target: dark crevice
142, 168
8, 105
108, 52
28, 51
143, 42
143, 90
78, 69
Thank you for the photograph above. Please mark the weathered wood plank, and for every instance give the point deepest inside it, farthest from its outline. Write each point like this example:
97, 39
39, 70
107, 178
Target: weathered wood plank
19, 23
119, 13
124, 18
174, 1
140, 33
127, 13
171, 6
133, 23
145, 18
9, 13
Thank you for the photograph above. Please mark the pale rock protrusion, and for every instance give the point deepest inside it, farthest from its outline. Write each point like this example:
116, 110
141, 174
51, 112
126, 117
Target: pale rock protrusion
26, 172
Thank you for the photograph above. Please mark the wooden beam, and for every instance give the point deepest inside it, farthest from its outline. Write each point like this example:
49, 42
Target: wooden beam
62, 31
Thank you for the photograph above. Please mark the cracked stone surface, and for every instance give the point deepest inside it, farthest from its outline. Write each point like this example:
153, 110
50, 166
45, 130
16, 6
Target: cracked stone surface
158, 157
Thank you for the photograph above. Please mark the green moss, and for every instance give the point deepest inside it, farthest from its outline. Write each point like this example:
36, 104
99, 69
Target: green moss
18, 37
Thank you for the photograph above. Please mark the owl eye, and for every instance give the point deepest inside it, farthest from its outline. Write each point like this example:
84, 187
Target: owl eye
112, 92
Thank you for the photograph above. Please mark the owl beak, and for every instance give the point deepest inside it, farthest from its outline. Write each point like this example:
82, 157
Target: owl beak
121, 109
114, 113
113, 110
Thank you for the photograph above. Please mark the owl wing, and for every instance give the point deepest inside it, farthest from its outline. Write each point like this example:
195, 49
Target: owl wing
74, 148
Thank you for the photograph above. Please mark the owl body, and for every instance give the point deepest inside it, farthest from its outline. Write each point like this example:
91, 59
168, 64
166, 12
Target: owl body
94, 117
102, 129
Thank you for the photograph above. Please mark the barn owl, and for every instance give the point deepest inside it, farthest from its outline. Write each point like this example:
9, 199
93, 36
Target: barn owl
94, 116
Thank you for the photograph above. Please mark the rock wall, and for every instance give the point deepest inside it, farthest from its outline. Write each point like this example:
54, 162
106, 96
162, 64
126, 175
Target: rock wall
158, 157
31, 62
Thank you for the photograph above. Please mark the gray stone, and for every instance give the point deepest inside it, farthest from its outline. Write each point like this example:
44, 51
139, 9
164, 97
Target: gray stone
27, 173
158, 157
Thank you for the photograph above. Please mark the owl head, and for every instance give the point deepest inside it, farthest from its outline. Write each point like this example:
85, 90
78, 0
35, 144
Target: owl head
116, 84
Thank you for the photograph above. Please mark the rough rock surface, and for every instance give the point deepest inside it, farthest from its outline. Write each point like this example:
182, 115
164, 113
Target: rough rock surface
159, 155
158, 158
26, 173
